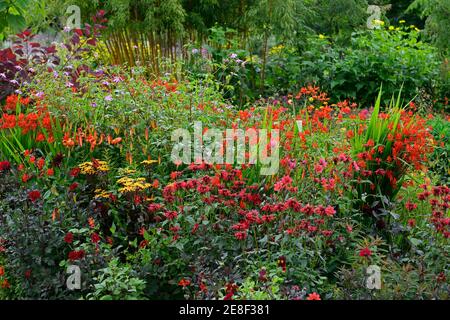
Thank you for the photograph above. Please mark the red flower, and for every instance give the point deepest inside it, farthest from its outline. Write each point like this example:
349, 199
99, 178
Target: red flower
410, 206
143, 244
25, 178
240, 235
2, 271
76, 255
34, 195
68, 238
184, 282
365, 252
73, 186
50, 172
330, 211
74, 172
412, 222
282, 263
228, 296
313, 296
28, 274
5, 284
95, 238
4, 165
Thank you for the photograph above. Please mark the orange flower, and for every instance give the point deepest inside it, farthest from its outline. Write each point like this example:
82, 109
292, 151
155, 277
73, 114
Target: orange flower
313, 296
184, 282
116, 141
91, 222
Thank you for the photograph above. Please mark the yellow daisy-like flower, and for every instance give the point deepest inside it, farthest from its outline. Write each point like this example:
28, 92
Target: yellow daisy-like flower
127, 171
133, 184
149, 162
90, 168
101, 194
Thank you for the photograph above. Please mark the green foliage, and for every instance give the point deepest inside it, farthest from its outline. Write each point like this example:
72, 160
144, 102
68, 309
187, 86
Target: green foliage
439, 160
437, 25
117, 282
12, 16
390, 57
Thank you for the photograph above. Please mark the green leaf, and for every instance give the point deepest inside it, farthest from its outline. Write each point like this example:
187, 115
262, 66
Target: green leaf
16, 22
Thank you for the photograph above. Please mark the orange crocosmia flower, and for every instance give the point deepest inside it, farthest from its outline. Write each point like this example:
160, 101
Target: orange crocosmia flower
40, 163
116, 141
91, 222
67, 141
40, 137
25, 178
55, 214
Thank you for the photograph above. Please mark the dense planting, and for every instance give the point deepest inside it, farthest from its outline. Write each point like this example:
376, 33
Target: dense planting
88, 178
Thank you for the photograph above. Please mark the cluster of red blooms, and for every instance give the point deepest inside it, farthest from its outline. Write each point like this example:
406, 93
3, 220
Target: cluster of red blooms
410, 144
439, 199
36, 122
4, 283
34, 195
365, 252
13, 100
5, 166
167, 86
230, 289
76, 255
228, 188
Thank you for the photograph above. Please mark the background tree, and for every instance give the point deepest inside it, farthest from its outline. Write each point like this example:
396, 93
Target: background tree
437, 23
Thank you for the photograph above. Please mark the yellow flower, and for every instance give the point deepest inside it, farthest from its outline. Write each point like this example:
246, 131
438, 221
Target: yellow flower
402, 21
132, 184
321, 36
391, 27
379, 22
99, 194
149, 162
127, 171
91, 168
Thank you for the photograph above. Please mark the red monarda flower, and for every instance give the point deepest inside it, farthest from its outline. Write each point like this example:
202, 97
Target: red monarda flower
34, 195
95, 238
73, 186
184, 282
74, 172
313, 296
365, 252
410, 206
4, 166
76, 255
412, 222
26, 177
68, 238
